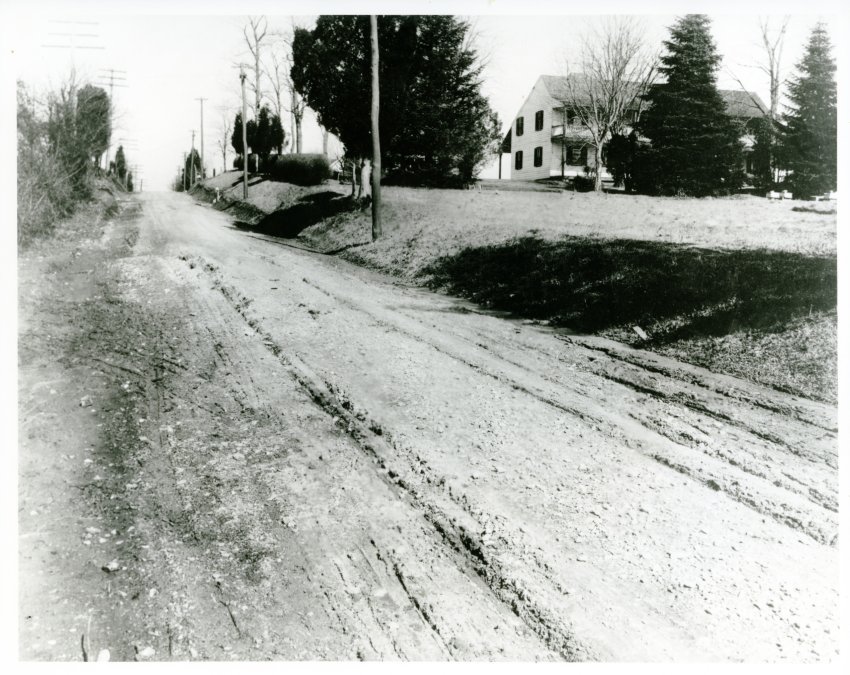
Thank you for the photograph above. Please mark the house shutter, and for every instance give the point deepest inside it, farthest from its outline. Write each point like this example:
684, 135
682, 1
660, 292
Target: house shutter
520, 123
538, 156
518, 160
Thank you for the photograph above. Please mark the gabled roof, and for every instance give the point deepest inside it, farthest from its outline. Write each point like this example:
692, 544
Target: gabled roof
744, 104
739, 103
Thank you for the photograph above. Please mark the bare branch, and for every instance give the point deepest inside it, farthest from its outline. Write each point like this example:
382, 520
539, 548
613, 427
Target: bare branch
617, 68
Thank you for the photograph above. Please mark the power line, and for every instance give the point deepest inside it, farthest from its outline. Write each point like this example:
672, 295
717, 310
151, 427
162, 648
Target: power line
73, 35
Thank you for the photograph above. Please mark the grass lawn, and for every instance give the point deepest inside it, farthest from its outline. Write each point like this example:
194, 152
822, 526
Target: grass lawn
740, 285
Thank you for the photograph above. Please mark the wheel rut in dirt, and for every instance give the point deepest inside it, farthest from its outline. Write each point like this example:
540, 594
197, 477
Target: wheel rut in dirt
586, 507
732, 462
456, 526
457, 519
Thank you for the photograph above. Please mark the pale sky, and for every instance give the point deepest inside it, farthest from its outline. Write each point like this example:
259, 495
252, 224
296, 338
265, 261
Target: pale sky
173, 52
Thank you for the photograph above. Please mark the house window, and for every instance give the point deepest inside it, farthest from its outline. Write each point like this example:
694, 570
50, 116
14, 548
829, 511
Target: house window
518, 159
520, 122
576, 155
538, 156
538, 120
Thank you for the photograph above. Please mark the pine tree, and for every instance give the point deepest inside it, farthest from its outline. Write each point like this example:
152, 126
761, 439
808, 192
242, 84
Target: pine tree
236, 137
695, 144
436, 126
192, 168
809, 139
120, 163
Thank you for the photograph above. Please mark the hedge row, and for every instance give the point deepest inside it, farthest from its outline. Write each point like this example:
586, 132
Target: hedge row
300, 169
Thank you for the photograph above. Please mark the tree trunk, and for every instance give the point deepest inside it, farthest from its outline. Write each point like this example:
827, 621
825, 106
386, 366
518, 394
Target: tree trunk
298, 133
325, 142
293, 106
376, 136
597, 179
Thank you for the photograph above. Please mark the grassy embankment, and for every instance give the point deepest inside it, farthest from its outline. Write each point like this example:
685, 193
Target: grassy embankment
739, 285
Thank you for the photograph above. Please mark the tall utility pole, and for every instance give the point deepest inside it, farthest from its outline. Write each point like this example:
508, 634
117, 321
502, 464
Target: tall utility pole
203, 165
114, 81
183, 173
376, 137
192, 158
244, 136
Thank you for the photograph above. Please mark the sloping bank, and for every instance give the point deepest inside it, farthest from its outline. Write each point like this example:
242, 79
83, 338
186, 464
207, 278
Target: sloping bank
739, 285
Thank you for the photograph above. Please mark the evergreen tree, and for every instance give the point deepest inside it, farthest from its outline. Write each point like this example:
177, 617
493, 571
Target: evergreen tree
94, 124
120, 163
435, 123
277, 134
266, 134
809, 139
192, 168
236, 137
695, 144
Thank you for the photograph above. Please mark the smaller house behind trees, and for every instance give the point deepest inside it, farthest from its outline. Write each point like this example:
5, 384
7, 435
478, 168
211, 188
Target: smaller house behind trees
547, 139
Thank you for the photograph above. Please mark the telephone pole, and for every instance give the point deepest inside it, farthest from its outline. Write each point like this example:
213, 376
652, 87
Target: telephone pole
244, 136
113, 81
192, 158
203, 165
376, 138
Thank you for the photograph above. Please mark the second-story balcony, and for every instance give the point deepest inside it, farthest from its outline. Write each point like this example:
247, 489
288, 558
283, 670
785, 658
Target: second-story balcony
570, 131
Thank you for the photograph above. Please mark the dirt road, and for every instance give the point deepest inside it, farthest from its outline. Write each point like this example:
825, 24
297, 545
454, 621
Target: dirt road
304, 460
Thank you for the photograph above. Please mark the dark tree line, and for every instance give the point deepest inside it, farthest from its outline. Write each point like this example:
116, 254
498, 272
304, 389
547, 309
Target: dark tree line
265, 134
809, 137
694, 145
436, 126
60, 140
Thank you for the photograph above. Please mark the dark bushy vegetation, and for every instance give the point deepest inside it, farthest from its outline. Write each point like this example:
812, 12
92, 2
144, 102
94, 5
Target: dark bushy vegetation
238, 162
59, 140
437, 128
695, 148
304, 169
264, 135
583, 183
810, 136
593, 284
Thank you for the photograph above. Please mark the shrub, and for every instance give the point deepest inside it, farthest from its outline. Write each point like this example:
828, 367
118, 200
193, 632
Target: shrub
583, 183
54, 175
300, 169
252, 162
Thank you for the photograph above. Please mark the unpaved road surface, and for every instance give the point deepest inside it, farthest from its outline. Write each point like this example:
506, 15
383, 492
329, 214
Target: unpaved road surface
235, 449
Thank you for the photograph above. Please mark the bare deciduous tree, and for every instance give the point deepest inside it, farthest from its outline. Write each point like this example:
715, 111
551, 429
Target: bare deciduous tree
616, 69
277, 71
772, 68
255, 32
225, 134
